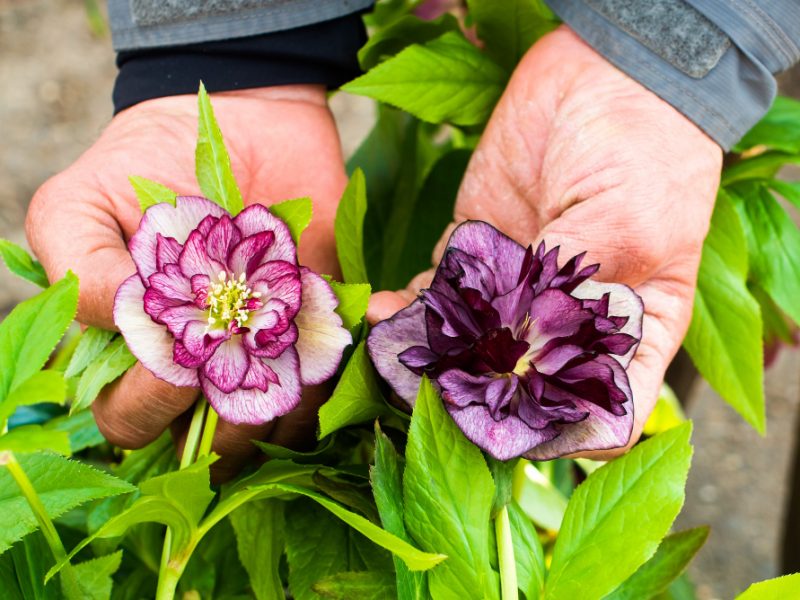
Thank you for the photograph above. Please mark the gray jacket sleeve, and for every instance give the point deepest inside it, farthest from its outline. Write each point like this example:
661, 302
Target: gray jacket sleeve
139, 24
713, 60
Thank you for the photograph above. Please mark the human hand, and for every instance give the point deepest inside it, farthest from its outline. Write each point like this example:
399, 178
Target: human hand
283, 144
579, 155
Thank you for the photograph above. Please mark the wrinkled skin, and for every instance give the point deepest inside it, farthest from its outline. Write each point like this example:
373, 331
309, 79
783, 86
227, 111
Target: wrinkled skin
580, 155
82, 219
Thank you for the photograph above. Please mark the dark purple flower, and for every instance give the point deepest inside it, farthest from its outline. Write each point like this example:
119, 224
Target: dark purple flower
530, 358
221, 303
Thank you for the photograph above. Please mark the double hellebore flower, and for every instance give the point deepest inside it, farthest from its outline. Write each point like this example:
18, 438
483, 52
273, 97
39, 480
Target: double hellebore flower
221, 303
530, 359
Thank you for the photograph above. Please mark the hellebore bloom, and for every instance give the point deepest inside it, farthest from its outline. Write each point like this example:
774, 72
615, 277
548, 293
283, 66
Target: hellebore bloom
530, 359
221, 303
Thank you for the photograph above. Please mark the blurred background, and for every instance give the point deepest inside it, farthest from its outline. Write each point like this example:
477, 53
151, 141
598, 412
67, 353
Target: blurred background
56, 74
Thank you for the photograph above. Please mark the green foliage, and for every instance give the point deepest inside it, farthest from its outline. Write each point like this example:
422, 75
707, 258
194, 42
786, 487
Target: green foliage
92, 342
349, 229
400, 34
780, 588
445, 80
94, 576
212, 163
669, 561
448, 492
295, 213
149, 193
724, 338
27, 563
62, 484
112, 362
353, 301
357, 585
80, 428
259, 528
779, 129
622, 510
538, 498
22, 264
32, 438
528, 553
44, 386
356, 398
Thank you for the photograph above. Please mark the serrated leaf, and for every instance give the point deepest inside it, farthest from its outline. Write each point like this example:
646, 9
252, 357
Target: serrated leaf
528, 553
356, 398
92, 342
33, 438
669, 561
622, 510
22, 264
31, 331
296, 214
448, 492
62, 484
445, 80
780, 588
724, 337
387, 488
212, 163
407, 30
353, 301
44, 386
349, 229
259, 528
357, 585
94, 576
149, 193
112, 362
81, 429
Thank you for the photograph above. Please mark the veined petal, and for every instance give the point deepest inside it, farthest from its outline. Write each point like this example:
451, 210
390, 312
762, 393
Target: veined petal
228, 365
321, 337
554, 314
390, 338
254, 406
176, 222
248, 254
259, 375
167, 251
147, 340
222, 238
194, 260
256, 219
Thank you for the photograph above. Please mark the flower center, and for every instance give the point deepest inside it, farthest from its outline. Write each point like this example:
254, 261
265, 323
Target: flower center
230, 301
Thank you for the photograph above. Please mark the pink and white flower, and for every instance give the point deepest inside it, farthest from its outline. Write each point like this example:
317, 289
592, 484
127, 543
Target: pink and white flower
220, 303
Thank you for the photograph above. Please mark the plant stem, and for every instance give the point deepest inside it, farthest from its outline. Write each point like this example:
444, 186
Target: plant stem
208, 433
505, 556
195, 428
68, 579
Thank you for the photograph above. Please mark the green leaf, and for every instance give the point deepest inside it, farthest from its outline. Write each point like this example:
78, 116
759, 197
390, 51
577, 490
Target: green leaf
212, 163
356, 398
446, 80
622, 510
773, 244
669, 561
30, 559
761, 166
44, 386
295, 213
149, 193
724, 338
510, 27
62, 484
188, 489
403, 32
93, 341
780, 588
528, 553
353, 301
387, 488
448, 492
259, 528
81, 429
94, 576
538, 498
666, 414
22, 264
31, 331
779, 129
357, 585
276, 451
788, 189
111, 363
32, 438
349, 229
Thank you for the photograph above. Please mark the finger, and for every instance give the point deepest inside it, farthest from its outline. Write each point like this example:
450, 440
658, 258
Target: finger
297, 430
234, 444
383, 305
137, 408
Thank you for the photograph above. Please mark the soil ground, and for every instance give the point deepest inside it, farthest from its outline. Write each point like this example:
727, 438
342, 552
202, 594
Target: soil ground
55, 88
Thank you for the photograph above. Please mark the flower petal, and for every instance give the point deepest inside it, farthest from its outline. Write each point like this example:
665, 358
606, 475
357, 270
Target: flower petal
194, 260
148, 341
257, 219
321, 338
222, 238
228, 365
462, 389
259, 375
390, 338
623, 302
167, 251
254, 406
176, 222
555, 314
248, 254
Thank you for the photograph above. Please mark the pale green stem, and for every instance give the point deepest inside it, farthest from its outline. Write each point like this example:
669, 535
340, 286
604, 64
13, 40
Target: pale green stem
68, 580
505, 556
208, 433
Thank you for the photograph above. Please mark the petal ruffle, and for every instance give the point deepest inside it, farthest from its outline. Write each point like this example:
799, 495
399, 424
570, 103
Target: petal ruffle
147, 340
176, 222
228, 365
254, 406
257, 219
321, 337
